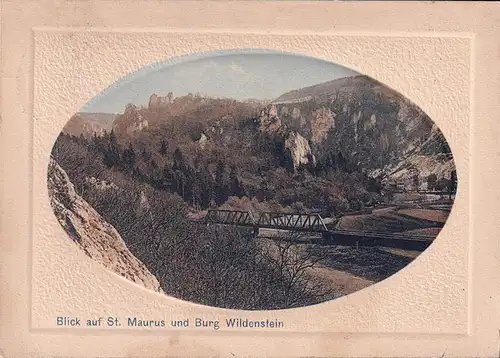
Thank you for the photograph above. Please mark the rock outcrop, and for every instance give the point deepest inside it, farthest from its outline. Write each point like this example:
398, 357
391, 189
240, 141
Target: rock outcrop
376, 128
100, 184
130, 121
202, 141
299, 150
323, 119
269, 121
296, 147
295, 113
88, 229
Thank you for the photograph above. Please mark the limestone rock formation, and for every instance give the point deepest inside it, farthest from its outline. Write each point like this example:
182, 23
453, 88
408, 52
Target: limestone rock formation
376, 128
296, 147
88, 229
130, 121
295, 113
299, 150
269, 121
323, 119
100, 184
202, 141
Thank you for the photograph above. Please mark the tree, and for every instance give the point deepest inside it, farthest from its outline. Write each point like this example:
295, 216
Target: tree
373, 185
191, 186
292, 265
442, 184
81, 139
163, 147
129, 157
178, 160
221, 183
167, 177
341, 162
208, 187
236, 189
156, 177
431, 181
415, 178
112, 151
179, 183
146, 156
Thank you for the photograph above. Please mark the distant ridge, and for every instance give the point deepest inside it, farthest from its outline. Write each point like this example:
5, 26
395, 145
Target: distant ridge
87, 123
105, 119
325, 90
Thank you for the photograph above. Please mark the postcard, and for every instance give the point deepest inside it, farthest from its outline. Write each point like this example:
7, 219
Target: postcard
246, 178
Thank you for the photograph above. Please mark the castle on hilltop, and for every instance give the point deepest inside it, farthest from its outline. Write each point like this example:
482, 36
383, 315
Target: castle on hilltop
156, 101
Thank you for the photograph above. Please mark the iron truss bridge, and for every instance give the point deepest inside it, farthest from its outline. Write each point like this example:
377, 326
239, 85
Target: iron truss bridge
314, 224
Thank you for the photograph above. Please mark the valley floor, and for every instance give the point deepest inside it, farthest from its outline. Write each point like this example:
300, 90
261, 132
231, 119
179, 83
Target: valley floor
349, 269
342, 282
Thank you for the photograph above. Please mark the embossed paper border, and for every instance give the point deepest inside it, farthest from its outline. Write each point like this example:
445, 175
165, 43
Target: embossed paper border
65, 79
480, 19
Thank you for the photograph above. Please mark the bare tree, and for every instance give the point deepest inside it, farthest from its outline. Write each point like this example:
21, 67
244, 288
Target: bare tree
294, 266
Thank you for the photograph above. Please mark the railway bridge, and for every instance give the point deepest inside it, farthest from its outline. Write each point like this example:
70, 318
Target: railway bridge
315, 225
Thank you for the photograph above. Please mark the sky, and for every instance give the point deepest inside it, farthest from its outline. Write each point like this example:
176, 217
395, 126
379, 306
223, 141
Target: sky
241, 75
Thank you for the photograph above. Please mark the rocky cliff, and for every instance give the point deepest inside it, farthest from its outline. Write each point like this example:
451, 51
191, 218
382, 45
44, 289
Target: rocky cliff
322, 121
131, 121
88, 229
376, 128
268, 120
296, 147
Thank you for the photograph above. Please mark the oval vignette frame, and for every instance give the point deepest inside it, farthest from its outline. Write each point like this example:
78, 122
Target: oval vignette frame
272, 224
